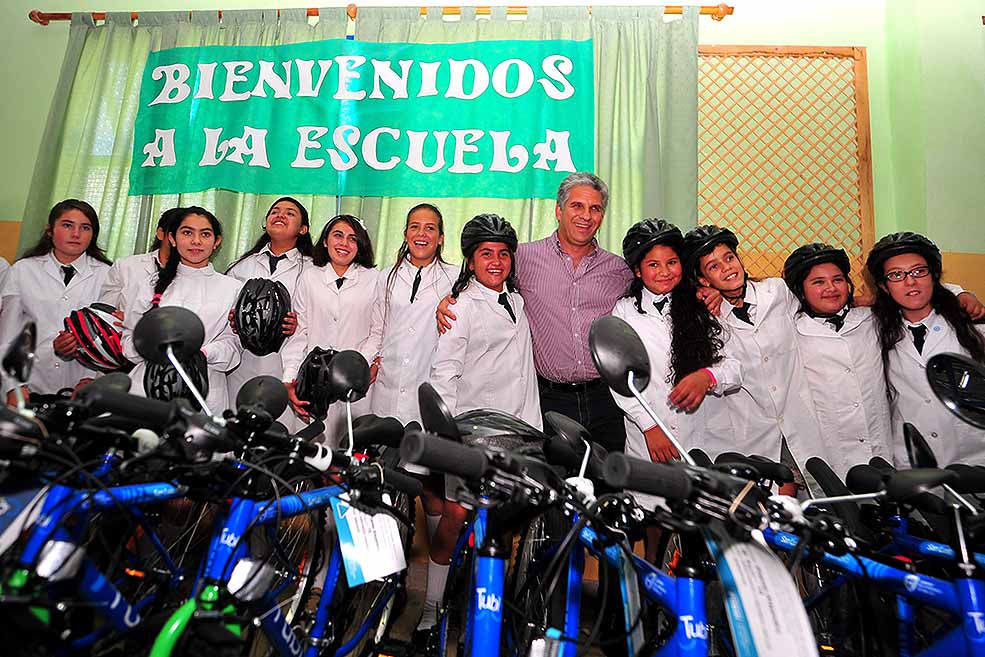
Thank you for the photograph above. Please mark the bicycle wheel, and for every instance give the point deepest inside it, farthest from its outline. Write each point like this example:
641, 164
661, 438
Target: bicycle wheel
363, 615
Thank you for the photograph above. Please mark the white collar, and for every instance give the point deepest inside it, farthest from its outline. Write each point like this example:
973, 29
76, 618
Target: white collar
185, 270
649, 298
292, 254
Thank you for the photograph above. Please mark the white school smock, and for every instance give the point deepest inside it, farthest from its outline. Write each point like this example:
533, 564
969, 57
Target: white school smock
951, 439
845, 375
404, 335
333, 317
289, 272
208, 294
131, 270
774, 401
35, 291
709, 427
485, 360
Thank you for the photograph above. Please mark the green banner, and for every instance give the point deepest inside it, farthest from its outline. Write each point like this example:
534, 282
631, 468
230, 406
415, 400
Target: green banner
502, 119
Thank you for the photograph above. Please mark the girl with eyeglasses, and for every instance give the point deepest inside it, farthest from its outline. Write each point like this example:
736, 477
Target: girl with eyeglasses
918, 317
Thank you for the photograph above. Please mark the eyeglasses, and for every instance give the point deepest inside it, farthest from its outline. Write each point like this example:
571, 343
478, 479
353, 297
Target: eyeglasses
898, 275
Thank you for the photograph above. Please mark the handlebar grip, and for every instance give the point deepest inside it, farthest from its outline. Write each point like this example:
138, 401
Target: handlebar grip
659, 479
402, 482
373, 430
444, 455
152, 413
864, 478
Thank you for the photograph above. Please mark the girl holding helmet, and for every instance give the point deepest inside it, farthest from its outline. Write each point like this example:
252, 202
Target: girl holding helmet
916, 317
281, 254
484, 361
66, 269
189, 280
333, 302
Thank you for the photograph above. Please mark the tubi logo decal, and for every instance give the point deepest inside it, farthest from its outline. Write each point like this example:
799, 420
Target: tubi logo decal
488, 601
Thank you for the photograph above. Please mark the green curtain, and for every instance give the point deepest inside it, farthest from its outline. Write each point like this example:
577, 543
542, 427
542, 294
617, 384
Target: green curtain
645, 119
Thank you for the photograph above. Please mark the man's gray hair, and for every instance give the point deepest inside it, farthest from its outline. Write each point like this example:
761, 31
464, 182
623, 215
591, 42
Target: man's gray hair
579, 179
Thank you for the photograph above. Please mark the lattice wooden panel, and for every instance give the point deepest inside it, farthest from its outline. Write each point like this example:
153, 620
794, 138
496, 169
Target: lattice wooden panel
783, 150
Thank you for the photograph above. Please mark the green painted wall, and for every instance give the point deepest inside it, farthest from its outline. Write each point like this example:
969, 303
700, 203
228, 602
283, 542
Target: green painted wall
926, 65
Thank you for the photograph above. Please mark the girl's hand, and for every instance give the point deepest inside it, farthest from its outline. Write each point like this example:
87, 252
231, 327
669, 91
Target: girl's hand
690, 392
659, 446
297, 405
712, 299
444, 315
232, 321
12, 396
290, 324
119, 315
65, 345
374, 370
971, 306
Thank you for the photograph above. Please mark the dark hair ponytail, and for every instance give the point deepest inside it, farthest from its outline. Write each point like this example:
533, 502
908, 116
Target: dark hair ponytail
45, 245
167, 274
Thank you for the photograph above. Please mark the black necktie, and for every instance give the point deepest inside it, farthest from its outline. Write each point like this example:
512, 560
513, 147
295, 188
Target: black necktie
659, 305
836, 321
338, 282
504, 301
417, 284
69, 272
275, 260
742, 312
919, 336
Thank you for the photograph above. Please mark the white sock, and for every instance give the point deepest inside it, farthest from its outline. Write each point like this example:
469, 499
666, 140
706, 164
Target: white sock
437, 576
432, 524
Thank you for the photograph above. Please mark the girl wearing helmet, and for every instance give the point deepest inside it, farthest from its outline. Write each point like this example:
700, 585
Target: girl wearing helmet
333, 303
684, 344
840, 356
65, 270
484, 361
773, 414
189, 280
282, 253
916, 317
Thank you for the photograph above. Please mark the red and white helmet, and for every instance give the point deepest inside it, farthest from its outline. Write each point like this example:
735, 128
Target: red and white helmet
99, 340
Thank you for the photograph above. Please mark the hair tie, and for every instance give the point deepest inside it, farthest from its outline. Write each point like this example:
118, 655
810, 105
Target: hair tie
155, 300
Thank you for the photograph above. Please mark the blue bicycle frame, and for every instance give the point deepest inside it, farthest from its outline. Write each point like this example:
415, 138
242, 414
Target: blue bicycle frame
484, 603
62, 502
683, 597
964, 597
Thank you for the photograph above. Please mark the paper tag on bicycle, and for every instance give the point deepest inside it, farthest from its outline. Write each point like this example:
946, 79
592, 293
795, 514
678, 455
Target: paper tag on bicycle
765, 610
371, 545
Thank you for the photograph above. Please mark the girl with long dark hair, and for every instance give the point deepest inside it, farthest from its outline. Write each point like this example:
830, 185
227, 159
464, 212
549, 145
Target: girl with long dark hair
684, 343
773, 413
334, 305
64, 271
917, 317
282, 253
188, 280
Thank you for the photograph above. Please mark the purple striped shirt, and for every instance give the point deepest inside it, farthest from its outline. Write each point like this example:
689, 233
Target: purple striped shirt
562, 302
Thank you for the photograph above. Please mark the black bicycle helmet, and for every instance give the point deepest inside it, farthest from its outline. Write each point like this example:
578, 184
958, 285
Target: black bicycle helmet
491, 428
260, 310
487, 228
644, 235
700, 240
799, 263
161, 381
94, 328
313, 381
896, 244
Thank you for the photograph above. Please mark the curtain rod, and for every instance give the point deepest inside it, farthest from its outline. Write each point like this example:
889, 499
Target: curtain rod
717, 12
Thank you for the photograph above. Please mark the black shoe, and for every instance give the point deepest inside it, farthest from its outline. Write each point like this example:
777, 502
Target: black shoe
425, 642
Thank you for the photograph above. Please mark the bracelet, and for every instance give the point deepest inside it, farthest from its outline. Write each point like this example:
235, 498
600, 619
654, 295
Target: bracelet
714, 381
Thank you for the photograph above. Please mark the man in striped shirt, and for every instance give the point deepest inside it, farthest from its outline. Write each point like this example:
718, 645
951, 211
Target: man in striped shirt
567, 282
